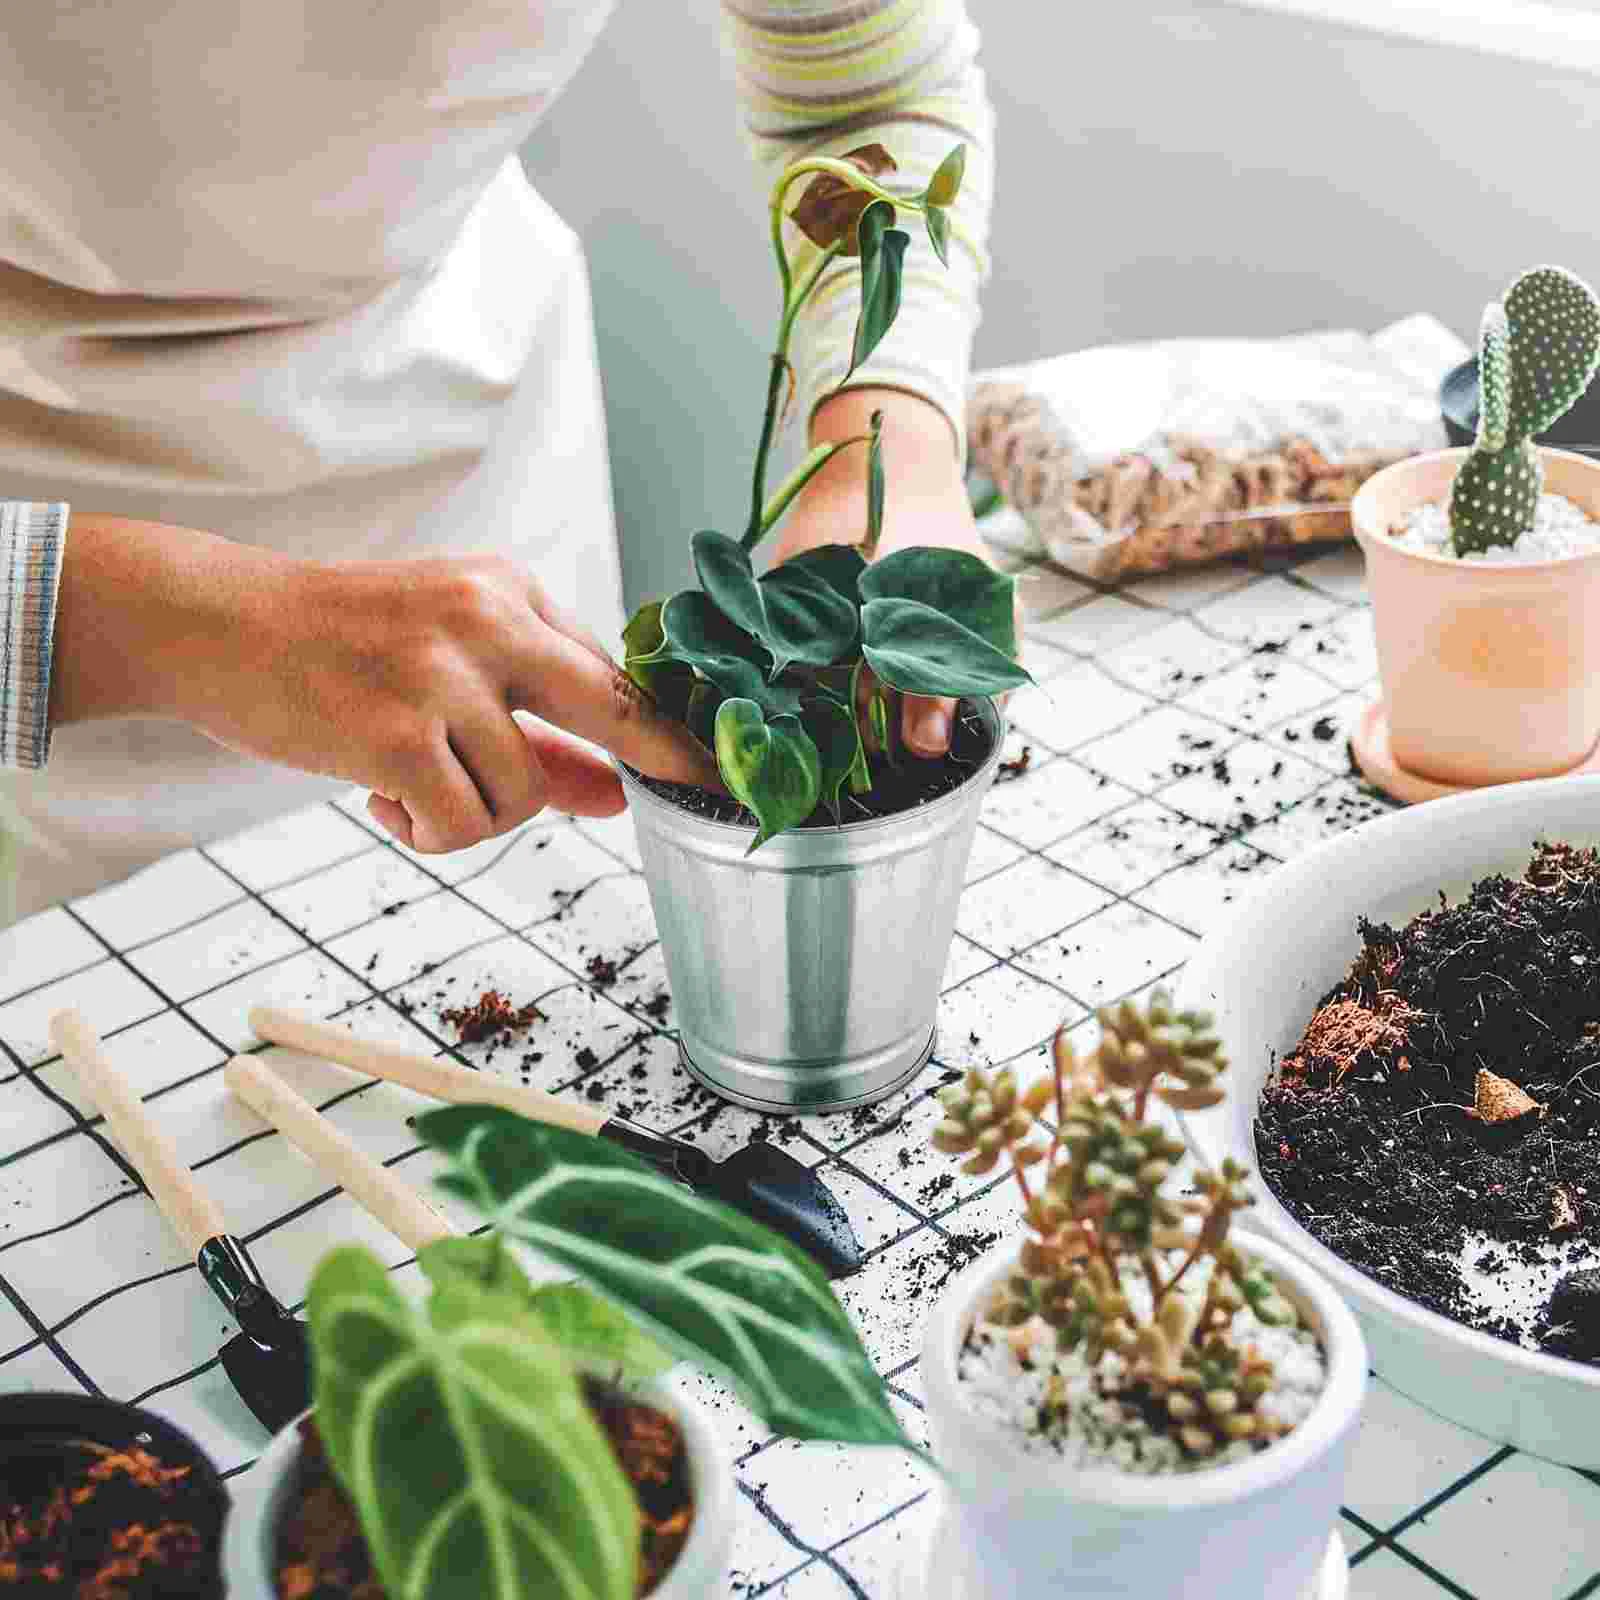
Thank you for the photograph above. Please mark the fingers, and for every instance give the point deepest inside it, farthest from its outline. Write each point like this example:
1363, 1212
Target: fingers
507, 771
564, 682
925, 725
437, 796
391, 815
578, 781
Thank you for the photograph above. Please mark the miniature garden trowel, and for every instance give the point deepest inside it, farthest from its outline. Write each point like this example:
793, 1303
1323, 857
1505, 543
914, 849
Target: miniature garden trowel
760, 1180
267, 1361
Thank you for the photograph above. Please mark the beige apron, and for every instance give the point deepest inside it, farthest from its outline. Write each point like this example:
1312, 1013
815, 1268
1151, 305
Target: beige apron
274, 271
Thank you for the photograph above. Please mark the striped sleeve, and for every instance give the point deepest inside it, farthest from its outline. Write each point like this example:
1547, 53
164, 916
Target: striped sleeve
820, 77
32, 539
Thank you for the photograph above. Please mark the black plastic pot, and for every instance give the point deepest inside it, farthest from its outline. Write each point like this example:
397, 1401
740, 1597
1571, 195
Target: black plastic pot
42, 1438
1579, 430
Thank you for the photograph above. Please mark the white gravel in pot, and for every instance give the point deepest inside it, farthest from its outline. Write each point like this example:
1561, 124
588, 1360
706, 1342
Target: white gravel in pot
1019, 1382
1560, 528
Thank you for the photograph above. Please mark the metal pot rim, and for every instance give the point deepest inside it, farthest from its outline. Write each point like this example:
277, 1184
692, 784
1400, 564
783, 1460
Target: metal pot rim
986, 709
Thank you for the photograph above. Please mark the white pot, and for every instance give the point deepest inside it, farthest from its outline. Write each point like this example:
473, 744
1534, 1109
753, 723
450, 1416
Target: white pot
261, 1497
1019, 1526
1264, 971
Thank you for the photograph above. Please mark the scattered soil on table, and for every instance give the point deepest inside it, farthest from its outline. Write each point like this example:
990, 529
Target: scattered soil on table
1444, 1101
323, 1556
904, 787
114, 1525
489, 1014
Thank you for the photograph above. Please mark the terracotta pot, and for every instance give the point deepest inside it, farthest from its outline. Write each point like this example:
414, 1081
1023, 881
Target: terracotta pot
262, 1497
1020, 1527
1491, 674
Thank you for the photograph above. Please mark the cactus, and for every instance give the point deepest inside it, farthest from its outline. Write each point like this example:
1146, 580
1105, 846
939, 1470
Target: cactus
1537, 352
1099, 1201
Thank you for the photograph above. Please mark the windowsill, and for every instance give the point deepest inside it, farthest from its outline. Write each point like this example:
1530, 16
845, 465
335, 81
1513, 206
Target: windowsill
1546, 35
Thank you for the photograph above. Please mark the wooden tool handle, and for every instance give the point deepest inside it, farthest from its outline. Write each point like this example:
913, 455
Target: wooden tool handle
391, 1200
441, 1080
182, 1202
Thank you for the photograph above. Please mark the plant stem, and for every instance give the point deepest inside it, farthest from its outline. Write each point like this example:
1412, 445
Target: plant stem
795, 296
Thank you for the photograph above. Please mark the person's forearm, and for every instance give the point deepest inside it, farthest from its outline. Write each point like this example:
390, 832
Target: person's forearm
147, 612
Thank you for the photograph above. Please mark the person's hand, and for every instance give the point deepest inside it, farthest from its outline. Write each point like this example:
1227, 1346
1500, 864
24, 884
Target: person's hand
400, 676
926, 504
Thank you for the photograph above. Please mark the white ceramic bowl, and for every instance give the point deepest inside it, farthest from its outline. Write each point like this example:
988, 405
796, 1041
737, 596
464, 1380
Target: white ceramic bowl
1018, 1528
1264, 971
260, 1498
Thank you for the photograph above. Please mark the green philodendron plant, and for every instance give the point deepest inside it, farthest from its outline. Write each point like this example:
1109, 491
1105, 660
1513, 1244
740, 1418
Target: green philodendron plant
768, 671
1538, 350
459, 1427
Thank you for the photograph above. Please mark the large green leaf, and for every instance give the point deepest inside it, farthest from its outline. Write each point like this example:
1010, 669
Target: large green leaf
466, 1445
883, 250
667, 682
807, 617
772, 767
834, 732
961, 585
838, 565
716, 1287
698, 633
596, 1334
917, 650
795, 614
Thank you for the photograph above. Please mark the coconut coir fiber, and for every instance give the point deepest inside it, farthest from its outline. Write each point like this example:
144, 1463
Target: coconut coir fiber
323, 1556
1377, 1134
117, 1525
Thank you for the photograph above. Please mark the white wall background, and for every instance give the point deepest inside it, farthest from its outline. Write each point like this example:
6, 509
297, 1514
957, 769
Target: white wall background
1189, 167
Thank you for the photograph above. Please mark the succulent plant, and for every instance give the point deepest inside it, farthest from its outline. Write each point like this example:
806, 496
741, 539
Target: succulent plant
1537, 352
1094, 1177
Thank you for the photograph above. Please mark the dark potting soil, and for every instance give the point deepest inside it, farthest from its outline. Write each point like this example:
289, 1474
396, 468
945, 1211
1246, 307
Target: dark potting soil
910, 783
114, 1525
1380, 1133
322, 1554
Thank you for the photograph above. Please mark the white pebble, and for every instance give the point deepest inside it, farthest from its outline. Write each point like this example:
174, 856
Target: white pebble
1559, 529
1093, 1428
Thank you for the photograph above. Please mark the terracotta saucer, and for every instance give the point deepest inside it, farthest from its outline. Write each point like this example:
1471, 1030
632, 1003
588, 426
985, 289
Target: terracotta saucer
1369, 744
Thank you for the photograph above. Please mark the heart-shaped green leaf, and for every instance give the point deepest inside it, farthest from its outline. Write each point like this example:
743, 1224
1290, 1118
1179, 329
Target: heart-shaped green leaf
465, 1444
700, 716
917, 650
834, 732
794, 614
596, 1335
645, 660
962, 586
945, 184
938, 224
698, 633
883, 251
772, 767
838, 565
714, 1286
808, 620
726, 575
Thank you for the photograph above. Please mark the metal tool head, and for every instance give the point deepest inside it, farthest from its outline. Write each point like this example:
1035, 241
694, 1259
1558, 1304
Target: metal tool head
770, 1185
268, 1361
760, 1180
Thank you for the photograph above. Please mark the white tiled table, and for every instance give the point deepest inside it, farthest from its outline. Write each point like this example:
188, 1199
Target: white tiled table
1191, 738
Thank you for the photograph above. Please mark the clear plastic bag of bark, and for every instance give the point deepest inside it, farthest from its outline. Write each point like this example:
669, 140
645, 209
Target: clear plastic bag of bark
1130, 460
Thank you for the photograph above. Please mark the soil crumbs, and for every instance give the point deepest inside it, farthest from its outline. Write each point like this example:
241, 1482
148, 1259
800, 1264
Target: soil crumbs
1438, 1125
910, 783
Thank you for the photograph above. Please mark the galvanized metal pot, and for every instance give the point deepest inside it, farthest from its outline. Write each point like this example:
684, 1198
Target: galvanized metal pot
806, 977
